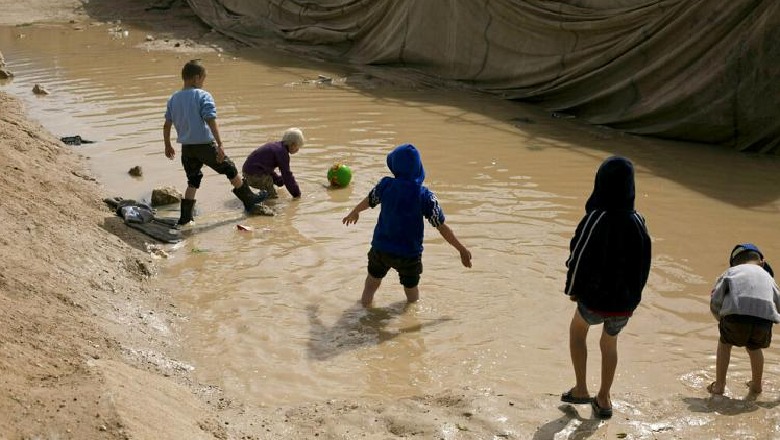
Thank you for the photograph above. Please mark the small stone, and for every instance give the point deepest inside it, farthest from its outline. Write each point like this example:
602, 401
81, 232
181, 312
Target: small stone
103, 428
136, 171
6, 74
40, 90
149, 38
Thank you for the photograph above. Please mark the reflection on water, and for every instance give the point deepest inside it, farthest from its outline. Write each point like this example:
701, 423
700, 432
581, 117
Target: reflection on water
272, 312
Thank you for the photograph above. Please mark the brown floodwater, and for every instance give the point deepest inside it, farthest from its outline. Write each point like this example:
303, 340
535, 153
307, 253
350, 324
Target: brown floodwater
272, 313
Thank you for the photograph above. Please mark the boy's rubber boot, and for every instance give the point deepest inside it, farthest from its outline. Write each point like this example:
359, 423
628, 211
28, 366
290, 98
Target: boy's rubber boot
187, 206
247, 197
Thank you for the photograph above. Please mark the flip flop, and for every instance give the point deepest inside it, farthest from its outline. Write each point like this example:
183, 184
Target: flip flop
568, 397
711, 388
602, 413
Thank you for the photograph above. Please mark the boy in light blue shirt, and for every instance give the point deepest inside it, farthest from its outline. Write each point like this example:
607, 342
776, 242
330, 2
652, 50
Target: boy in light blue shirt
193, 113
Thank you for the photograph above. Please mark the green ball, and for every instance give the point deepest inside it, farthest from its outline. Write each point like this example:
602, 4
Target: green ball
339, 175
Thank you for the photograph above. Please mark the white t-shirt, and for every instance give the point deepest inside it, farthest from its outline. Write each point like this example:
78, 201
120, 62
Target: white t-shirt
746, 289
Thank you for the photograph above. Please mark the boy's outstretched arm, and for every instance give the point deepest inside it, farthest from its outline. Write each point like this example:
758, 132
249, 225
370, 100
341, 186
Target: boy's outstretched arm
446, 232
170, 153
354, 215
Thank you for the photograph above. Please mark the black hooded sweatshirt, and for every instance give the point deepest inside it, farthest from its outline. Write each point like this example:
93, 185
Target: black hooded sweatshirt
610, 251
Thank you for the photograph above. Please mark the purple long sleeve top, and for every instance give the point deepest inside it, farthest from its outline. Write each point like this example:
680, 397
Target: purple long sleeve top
265, 160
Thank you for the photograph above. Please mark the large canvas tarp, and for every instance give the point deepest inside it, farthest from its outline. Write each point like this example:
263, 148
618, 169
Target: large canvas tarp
700, 70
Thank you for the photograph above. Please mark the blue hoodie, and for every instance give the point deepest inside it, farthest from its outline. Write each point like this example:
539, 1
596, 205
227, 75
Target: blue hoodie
610, 251
405, 202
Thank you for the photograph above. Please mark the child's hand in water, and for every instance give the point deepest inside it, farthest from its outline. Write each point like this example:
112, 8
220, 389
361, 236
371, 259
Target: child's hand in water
465, 257
352, 217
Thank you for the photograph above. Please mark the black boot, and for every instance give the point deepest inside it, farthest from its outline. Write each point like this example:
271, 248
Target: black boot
187, 206
250, 199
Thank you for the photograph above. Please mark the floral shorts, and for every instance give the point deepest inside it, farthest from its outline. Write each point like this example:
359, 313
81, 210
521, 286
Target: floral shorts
612, 324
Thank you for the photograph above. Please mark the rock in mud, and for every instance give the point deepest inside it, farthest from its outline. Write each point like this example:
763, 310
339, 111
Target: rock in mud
40, 90
165, 195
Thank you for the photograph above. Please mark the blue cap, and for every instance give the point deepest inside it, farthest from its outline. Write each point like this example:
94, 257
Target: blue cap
744, 247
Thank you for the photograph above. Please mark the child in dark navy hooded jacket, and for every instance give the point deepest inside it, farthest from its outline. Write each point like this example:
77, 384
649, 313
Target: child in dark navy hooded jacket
398, 234
607, 269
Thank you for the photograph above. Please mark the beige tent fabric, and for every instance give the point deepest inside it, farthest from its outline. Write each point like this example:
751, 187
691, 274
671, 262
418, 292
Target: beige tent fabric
699, 70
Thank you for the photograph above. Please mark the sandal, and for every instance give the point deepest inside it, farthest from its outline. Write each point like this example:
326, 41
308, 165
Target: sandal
602, 413
568, 397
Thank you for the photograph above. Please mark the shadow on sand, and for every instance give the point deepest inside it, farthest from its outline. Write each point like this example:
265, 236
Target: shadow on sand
728, 406
585, 428
357, 327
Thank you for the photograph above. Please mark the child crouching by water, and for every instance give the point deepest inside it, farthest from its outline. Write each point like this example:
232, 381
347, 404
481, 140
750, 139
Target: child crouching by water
746, 302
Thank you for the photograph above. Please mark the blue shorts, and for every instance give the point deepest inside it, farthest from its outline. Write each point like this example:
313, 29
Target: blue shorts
612, 324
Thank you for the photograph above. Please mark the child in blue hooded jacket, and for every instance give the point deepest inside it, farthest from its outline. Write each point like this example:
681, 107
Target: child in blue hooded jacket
607, 269
398, 234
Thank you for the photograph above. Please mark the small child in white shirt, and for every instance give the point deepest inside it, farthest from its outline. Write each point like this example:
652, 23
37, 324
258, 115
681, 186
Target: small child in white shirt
746, 302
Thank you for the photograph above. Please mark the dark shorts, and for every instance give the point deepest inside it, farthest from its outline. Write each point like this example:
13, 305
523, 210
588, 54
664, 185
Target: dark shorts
612, 324
745, 331
409, 269
194, 156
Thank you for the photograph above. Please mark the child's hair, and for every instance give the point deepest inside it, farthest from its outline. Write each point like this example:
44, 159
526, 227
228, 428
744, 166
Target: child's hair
744, 257
749, 253
192, 69
293, 136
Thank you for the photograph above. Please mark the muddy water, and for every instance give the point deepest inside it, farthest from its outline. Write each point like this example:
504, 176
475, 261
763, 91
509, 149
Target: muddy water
272, 313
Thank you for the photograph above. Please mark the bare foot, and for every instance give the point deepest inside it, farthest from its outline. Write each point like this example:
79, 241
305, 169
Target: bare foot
754, 389
713, 388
